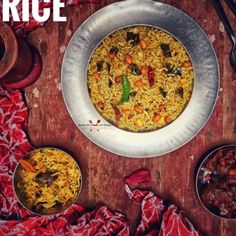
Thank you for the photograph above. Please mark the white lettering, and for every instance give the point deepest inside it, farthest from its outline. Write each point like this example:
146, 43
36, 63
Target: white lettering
10, 6
35, 11
57, 4
25, 13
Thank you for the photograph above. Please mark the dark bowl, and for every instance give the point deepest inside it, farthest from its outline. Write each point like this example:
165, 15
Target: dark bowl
21, 195
215, 185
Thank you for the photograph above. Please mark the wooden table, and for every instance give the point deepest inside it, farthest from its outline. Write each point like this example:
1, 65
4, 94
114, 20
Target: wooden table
103, 172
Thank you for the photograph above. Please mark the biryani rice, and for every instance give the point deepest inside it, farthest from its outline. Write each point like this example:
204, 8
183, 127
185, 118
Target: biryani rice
63, 189
149, 98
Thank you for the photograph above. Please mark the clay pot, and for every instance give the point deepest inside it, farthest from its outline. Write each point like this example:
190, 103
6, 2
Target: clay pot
15, 56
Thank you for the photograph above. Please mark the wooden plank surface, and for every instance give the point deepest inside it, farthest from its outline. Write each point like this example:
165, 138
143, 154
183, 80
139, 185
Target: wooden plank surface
103, 172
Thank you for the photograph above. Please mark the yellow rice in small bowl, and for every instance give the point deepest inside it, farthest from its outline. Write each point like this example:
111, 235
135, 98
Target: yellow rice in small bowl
140, 78
47, 181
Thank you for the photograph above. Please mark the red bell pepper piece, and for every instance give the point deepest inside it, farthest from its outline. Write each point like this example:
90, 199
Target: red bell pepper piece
141, 176
151, 76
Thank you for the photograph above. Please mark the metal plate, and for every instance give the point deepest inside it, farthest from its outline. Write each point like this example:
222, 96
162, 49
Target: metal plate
74, 78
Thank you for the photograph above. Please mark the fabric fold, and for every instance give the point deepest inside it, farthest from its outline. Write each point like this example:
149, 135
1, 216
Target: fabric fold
156, 217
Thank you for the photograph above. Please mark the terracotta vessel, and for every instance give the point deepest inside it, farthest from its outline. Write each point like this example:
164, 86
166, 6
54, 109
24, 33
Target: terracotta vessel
16, 59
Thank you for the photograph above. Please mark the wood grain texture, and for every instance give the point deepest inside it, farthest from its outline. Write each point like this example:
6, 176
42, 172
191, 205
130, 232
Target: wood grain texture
173, 174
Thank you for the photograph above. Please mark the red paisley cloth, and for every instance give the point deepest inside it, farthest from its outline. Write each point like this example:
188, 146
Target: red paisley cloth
156, 218
13, 145
24, 27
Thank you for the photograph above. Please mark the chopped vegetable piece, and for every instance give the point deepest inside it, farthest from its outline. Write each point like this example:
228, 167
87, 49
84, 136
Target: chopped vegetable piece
166, 49
100, 65
222, 162
208, 177
114, 50
133, 38
108, 68
170, 68
143, 44
144, 70
168, 119
127, 112
27, 166
110, 83
138, 109
163, 74
128, 59
118, 114
101, 105
130, 116
178, 71
130, 36
118, 79
187, 64
183, 81
139, 122
232, 172
134, 69
96, 76
156, 118
151, 76
111, 55
180, 91
162, 107
125, 88
133, 94
163, 92
138, 83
